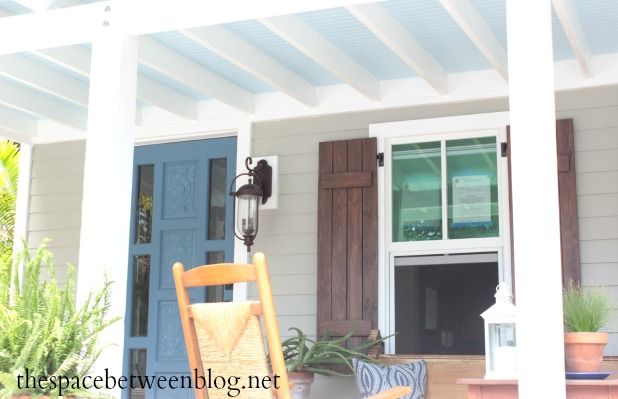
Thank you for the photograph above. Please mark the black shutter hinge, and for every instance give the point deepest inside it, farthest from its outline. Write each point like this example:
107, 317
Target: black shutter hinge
504, 149
380, 159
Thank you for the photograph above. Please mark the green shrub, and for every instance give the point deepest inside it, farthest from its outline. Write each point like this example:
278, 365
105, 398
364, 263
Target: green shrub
585, 310
41, 328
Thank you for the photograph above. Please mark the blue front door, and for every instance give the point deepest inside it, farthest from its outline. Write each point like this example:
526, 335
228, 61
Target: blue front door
182, 211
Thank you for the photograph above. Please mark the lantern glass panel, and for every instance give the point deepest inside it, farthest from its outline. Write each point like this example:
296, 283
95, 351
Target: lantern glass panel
247, 214
502, 352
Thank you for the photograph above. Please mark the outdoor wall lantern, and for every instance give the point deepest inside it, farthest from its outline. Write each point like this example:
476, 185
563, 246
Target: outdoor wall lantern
248, 197
500, 340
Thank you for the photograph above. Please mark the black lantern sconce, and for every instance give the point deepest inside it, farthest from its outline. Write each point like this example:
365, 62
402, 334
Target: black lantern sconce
247, 199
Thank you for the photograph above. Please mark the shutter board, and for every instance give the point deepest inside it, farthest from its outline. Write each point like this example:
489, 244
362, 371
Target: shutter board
567, 190
325, 212
347, 238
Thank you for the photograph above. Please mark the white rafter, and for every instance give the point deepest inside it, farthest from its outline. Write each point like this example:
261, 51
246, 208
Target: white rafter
17, 126
77, 59
50, 81
302, 36
473, 25
73, 58
242, 54
575, 34
401, 42
170, 63
18, 97
165, 98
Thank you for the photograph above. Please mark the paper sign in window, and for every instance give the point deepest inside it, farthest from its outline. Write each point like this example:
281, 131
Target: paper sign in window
471, 199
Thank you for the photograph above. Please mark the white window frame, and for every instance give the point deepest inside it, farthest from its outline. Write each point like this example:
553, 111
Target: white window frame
423, 130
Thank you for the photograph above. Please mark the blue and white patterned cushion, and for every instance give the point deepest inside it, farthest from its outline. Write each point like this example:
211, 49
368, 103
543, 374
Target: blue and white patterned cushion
372, 379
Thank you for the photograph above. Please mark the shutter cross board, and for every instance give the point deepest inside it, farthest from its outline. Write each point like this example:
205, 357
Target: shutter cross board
347, 238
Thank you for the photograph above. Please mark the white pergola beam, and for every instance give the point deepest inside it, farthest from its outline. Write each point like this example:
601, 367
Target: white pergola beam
185, 14
302, 36
18, 97
18, 124
575, 34
79, 24
170, 63
165, 98
242, 54
53, 28
479, 32
401, 42
536, 219
45, 79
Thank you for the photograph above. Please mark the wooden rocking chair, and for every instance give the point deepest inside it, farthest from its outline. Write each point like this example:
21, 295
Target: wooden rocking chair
226, 338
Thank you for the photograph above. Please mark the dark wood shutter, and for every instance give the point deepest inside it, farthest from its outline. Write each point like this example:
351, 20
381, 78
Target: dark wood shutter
567, 189
347, 238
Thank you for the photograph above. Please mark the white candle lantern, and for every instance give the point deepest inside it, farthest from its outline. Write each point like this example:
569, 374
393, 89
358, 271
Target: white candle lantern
500, 337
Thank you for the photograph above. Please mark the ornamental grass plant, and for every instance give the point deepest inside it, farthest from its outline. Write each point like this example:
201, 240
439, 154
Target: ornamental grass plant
41, 327
585, 309
302, 353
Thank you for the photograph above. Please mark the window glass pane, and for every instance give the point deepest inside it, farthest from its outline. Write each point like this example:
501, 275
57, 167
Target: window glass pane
141, 280
438, 302
217, 200
144, 204
219, 293
472, 181
417, 192
138, 368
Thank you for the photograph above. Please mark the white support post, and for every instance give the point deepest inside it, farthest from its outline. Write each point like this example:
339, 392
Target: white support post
106, 210
538, 280
244, 140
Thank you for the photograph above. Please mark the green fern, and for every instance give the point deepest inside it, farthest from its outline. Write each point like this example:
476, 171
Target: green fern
42, 329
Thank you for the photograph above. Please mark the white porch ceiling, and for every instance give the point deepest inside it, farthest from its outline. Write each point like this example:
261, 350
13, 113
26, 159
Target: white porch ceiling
307, 62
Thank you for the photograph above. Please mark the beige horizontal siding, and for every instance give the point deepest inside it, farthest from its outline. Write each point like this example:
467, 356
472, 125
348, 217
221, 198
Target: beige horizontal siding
55, 200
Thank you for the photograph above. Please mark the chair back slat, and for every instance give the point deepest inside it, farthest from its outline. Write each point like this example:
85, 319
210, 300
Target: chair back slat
218, 274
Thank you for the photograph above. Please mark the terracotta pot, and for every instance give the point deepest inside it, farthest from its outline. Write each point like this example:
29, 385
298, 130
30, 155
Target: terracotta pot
301, 384
583, 351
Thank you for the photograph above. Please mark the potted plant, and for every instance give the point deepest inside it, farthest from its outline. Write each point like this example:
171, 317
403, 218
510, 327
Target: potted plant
42, 331
585, 312
305, 357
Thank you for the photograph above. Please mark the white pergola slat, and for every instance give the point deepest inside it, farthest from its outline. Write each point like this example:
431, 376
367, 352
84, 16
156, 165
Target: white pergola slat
575, 34
18, 97
77, 60
302, 36
45, 79
227, 45
401, 42
17, 126
473, 25
165, 98
168, 62
74, 58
